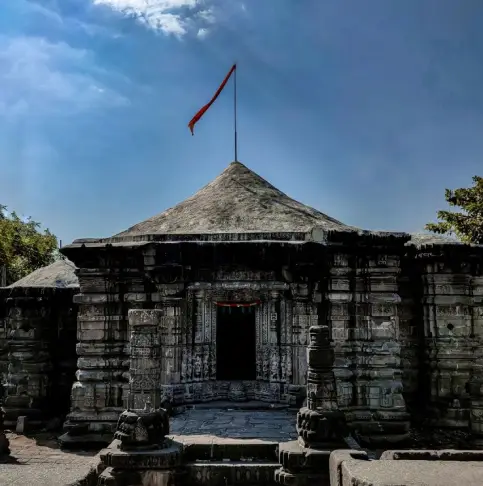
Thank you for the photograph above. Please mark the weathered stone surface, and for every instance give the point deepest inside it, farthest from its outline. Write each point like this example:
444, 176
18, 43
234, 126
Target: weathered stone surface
429, 455
336, 461
350, 467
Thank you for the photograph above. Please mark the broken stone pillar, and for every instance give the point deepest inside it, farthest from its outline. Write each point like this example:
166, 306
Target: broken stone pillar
141, 453
320, 426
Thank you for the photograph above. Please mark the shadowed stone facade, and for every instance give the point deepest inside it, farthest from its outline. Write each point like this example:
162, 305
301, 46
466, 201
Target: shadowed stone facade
39, 322
239, 273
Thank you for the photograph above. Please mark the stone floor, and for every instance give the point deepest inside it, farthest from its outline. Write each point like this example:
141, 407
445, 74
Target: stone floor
39, 462
270, 425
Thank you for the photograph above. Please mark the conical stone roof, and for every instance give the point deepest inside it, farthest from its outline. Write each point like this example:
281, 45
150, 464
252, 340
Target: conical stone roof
237, 201
60, 274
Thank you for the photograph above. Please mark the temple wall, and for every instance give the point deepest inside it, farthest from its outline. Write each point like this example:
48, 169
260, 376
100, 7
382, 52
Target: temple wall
413, 363
106, 294
40, 329
452, 331
364, 318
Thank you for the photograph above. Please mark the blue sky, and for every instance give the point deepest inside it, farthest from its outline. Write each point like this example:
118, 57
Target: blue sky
365, 110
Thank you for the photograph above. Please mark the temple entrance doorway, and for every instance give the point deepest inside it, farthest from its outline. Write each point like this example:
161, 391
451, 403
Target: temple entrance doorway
235, 343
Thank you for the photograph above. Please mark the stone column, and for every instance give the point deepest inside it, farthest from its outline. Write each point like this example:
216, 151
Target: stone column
320, 425
304, 315
97, 397
170, 335
145, 363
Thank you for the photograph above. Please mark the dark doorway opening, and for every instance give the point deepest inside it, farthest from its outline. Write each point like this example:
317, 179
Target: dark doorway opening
235, 344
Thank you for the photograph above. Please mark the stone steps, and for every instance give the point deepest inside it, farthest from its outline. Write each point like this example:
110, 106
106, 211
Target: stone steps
210, 448
230, 473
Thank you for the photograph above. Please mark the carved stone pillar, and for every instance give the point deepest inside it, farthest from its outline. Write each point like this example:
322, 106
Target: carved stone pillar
98, 395
145, 362
320, 425
170, 334
303, 313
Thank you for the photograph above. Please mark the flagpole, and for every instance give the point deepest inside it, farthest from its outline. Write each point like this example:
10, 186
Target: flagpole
234, 106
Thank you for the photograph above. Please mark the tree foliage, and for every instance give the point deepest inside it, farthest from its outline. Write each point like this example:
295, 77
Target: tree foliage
467, 225
23, 246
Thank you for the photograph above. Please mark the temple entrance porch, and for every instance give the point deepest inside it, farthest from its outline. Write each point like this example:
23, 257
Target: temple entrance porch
235, 343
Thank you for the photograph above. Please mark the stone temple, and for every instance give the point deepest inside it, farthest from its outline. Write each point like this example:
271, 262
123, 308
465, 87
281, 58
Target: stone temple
240, 272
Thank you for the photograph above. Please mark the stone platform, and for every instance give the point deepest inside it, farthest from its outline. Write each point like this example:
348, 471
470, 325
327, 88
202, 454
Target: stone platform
232, 446
211, 423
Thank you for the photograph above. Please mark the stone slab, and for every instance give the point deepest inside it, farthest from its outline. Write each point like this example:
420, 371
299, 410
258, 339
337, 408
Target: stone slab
231, 473
346, 468
269, 425
212, 448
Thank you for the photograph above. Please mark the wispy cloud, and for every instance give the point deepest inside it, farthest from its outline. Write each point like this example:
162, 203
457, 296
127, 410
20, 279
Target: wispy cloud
42, 77
172, 17
51, 14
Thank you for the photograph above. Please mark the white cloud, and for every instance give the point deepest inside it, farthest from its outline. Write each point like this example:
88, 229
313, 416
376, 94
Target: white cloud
172, 17
202, 33
41, 77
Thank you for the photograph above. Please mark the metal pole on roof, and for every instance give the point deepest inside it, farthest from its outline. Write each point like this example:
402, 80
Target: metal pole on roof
234, 106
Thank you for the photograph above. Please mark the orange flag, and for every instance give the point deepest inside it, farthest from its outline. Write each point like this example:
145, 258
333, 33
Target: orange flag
203, 110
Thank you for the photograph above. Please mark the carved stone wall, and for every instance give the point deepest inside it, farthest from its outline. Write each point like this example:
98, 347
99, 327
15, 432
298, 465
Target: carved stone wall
99, 394
449, 339
40, 328
363, 316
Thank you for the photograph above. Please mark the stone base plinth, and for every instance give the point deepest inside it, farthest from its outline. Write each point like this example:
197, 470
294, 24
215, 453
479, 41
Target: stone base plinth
159, 465
379, 428
301, 465
322, 430
82, 429
116, 477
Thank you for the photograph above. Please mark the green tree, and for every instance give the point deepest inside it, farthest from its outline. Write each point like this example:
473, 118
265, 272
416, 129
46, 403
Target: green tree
24, 247
467, 225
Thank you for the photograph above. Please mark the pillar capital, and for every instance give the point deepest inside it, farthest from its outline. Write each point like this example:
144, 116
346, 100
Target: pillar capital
145, 317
